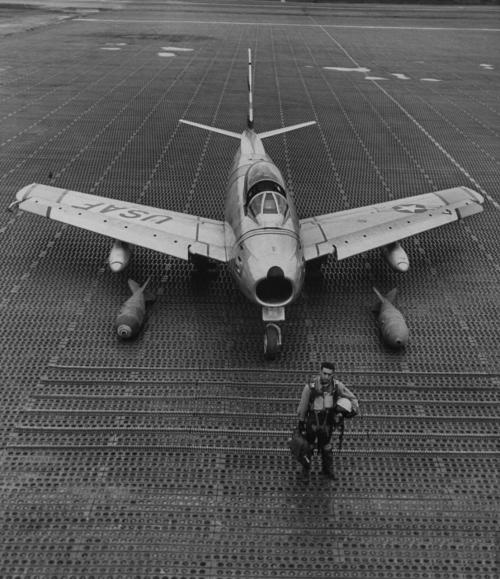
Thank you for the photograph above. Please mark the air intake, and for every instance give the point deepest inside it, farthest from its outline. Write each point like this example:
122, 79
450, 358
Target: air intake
275, 289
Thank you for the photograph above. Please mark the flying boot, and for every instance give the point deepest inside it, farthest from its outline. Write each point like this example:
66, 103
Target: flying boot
305, 461
327, 460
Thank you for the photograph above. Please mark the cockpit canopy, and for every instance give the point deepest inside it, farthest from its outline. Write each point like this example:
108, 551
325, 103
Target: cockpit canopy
262, 171
266, 197
267, 203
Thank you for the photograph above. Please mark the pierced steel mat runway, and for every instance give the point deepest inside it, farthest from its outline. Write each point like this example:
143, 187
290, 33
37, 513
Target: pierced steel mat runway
166, 456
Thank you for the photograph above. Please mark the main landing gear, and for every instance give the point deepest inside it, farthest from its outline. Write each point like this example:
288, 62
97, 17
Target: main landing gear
272, 334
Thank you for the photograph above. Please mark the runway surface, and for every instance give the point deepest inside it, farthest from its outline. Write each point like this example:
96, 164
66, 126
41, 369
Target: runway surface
166, 456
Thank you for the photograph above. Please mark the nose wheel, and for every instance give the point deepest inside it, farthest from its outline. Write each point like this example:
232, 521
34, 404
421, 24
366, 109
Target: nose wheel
272, 341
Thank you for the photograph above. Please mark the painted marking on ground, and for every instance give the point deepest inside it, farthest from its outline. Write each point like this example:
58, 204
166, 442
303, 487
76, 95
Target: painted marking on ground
176, 49
434, 141
283, 24
346, 69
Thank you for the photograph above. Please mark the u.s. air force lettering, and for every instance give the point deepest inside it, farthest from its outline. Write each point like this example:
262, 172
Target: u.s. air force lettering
125, 212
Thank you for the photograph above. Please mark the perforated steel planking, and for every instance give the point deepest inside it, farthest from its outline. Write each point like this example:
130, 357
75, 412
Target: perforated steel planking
167, 457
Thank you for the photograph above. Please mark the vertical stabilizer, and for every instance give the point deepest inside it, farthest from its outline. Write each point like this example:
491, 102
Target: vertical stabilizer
250, 120
250, 91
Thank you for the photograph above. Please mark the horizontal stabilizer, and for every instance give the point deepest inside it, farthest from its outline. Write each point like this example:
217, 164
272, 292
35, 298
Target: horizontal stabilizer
285, 129
212, 129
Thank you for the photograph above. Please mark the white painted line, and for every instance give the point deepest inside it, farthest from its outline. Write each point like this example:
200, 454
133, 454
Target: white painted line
430, 79
375, 78
487, 66
400, 76
110, 48
284, 24
176, 49
166, 54
344, 69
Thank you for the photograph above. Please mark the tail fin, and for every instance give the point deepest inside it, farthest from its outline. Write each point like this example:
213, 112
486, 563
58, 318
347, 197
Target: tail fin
135, 287
250, 91
250, 118
390, 297
378, 294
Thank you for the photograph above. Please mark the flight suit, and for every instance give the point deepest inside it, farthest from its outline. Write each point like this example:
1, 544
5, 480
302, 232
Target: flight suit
318, 417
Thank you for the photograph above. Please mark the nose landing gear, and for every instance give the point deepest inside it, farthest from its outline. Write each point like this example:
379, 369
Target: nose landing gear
272, 341
272, 334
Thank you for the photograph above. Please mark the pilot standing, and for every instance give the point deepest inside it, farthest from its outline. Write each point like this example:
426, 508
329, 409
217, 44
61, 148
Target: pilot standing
324, 404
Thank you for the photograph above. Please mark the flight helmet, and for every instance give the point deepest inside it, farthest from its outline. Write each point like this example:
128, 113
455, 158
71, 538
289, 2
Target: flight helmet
344, 406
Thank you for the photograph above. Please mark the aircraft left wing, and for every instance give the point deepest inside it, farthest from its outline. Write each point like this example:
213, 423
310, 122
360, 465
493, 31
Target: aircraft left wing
354, 231
168, 232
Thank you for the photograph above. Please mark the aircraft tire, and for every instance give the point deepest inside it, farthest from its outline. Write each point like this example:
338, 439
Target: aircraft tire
272, 341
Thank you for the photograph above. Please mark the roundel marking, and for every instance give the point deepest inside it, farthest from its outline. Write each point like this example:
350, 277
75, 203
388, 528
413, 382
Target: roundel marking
410, 208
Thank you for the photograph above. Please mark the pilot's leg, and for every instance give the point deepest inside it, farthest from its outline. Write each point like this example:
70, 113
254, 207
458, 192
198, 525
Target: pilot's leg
326, 447
310, 436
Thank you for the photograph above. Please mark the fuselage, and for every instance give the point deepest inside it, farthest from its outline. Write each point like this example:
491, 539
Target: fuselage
262, 228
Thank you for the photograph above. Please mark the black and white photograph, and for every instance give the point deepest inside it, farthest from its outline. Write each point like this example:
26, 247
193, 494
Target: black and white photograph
249, 289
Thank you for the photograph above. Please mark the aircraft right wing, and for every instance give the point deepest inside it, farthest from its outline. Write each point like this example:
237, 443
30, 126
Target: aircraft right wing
354, 231
169, 232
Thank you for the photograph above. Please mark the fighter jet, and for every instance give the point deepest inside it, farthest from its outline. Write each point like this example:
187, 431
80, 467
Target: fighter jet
262, 239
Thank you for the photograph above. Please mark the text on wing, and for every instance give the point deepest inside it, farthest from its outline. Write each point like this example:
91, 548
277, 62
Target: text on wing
125, 212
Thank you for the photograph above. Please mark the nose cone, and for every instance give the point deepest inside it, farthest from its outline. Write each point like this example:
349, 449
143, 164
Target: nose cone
128, 324
393, 327
399, 342
395, 335
124, 331
116, 266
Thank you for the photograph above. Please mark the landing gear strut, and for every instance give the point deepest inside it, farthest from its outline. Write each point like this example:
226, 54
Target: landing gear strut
272, 335
272, 341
